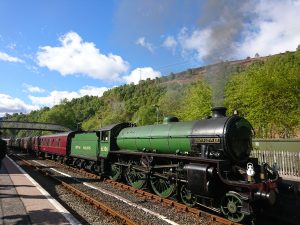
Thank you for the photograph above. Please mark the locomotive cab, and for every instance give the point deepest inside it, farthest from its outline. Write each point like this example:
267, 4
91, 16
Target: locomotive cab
107, 137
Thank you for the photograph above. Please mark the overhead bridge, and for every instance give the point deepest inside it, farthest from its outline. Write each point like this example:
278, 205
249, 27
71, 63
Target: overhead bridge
17, 125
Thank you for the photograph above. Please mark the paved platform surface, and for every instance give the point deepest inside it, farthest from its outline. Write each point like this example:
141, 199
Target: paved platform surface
23, 201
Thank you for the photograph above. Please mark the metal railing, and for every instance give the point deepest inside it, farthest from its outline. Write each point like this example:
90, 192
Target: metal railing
287, 163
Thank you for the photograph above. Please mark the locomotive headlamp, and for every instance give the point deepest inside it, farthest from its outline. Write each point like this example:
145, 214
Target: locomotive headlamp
250, 171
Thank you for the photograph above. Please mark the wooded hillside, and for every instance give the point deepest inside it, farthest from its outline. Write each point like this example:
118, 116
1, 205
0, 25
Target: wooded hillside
264, 90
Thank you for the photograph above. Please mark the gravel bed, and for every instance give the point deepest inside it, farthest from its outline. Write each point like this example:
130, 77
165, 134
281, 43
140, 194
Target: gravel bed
83, 212
139, 215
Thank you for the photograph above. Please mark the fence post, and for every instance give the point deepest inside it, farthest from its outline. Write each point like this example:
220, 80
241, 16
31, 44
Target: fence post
287, 163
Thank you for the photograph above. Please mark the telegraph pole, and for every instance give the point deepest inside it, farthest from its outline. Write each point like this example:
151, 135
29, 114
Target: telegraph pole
157, 112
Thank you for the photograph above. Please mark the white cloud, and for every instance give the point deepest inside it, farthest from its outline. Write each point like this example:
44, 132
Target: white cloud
142, 42
12, 46
55, 97
33, 89
266, 30
197, 41
9, 104
141, 74
92, 91
32, 69
77, 57
170, 42
5, 57
272, 31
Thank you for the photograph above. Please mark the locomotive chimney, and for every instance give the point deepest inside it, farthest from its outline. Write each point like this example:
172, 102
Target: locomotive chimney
218, 112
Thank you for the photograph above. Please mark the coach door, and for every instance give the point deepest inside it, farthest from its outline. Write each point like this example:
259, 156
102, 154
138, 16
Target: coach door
104, 143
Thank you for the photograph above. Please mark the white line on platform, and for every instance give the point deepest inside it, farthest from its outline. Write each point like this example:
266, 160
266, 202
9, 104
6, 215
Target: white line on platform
72, 220
164, 218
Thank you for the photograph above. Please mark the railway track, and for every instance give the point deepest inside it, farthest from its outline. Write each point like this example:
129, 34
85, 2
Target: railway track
152, 217
272, 218
154, 198
146, 196
122, 219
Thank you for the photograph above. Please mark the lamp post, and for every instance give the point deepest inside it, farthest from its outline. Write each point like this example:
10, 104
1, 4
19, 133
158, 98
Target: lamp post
157, 112
100, 118
78, 126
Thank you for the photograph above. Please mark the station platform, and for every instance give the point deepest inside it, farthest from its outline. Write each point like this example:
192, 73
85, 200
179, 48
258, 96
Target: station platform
23, 201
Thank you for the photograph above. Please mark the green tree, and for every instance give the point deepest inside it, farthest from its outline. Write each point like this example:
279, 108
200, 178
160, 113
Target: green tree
170, 103
60, 115
197, 101
92, 123
145, 115
268, 94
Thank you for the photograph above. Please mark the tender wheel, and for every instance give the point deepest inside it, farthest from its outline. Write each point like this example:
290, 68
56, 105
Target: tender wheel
231, 207
77, 163
115, 172
69, 161
187, 197
135, 177
162, 187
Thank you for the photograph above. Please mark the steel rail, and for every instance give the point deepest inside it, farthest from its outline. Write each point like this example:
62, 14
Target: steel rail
152, 197
123, 219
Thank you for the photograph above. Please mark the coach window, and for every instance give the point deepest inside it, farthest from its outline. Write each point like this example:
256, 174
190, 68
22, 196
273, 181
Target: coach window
104, 135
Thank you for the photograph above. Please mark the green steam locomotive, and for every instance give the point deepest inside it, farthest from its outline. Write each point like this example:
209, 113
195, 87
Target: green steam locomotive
205, 162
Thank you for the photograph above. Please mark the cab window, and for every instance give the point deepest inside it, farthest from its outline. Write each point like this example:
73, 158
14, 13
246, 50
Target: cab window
104, 135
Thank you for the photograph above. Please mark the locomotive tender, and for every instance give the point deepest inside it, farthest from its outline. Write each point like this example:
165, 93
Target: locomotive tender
204, 162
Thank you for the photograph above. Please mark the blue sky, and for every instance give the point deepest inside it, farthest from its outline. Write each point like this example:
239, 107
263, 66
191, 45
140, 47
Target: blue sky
51, 50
